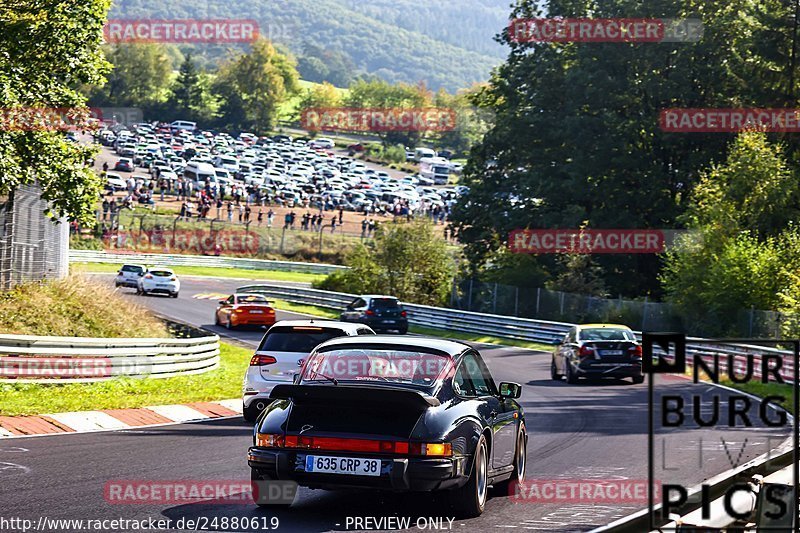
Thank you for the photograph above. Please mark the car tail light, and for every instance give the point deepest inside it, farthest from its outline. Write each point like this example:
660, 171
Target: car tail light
403, 314
262, 360
269, 440
586, 351
148, 276
635, 351
369, 312
335, 444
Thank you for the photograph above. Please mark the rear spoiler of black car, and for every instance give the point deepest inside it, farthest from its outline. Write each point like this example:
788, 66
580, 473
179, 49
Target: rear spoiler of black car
359, 394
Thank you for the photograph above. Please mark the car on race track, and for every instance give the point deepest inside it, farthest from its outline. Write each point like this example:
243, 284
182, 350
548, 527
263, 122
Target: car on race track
597, 351
381, 313
395, 414
128, 276
159, 281
244, 310
280, 354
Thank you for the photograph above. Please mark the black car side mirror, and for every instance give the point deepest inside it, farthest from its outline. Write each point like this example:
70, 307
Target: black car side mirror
510, 390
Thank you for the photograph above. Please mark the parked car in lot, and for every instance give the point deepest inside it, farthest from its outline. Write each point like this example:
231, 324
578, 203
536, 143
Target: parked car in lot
281, 353
128, 276
244, 310
159, 281
381, 313
114, 182
411, 414
124, 165
597, 351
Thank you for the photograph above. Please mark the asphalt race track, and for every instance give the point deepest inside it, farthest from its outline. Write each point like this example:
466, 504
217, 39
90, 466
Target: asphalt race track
595, 430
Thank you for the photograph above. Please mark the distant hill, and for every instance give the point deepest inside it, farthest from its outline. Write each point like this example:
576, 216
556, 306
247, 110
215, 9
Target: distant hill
444, 43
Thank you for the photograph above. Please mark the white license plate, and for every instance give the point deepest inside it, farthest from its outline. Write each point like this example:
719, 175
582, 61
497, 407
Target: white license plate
388, 321
353, 466
163, 285
611, 352
258, 312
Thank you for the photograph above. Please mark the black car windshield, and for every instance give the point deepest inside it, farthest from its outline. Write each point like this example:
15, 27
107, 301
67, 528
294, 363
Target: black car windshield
406, 367
385, 303
606, 334
300, 339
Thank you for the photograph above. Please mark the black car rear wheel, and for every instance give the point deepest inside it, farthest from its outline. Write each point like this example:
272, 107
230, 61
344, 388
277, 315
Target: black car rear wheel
572, 377
470, 500
638, 380
554, 375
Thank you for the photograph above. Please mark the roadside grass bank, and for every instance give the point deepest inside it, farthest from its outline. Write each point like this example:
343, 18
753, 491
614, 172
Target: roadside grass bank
123, 393
267, 275
75, 307
763, 390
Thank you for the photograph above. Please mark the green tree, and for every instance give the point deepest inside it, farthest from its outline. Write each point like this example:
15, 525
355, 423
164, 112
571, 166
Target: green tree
46, 50
406, 260
189, 98
576, 139
252, 86
743, 251
378, 94
323, 95
140, 77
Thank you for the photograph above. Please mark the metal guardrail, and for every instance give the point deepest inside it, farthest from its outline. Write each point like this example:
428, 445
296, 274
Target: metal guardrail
506, 327
94, 256
32, 359
427, 316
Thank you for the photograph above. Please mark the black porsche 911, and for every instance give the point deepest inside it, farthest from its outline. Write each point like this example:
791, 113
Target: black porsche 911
394, 414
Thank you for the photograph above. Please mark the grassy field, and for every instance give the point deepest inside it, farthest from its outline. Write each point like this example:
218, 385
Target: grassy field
223, 383
270, 275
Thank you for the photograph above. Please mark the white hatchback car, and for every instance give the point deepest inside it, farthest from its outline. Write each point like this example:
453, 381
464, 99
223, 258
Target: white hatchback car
159, 281
281, 355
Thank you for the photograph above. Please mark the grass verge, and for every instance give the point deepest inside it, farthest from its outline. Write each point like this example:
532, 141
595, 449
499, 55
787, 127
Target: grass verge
223, 383
74, 307
270, 275
762, 390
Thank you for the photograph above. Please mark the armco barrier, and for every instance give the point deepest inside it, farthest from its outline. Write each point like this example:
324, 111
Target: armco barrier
32, 359
424, 315
94, 256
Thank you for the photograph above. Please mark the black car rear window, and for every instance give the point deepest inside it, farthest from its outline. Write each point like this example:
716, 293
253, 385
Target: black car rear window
384, 303
132, 268
297, 339
161, 273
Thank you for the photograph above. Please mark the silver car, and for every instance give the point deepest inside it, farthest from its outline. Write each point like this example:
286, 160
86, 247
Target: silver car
281, 355
128, 276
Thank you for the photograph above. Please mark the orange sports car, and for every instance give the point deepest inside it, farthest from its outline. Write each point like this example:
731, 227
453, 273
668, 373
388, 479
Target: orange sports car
244, 310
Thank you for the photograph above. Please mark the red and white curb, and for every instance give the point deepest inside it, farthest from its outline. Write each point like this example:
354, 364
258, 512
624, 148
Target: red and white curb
115, 419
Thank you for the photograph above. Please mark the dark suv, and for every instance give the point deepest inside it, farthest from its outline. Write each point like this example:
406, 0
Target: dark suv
381, 313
